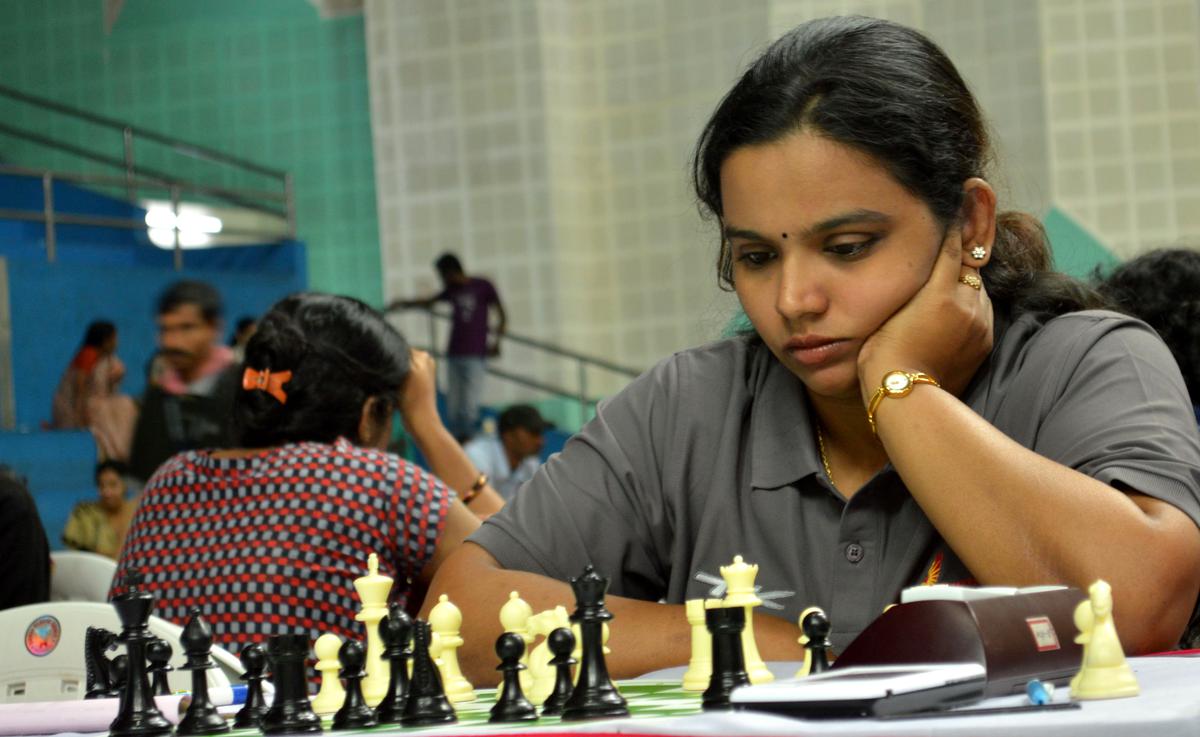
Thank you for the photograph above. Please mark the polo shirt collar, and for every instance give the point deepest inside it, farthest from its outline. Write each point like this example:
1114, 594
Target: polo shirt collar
782, 445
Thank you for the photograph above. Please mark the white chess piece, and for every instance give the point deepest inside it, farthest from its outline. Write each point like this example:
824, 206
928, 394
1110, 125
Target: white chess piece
739, 591
541, 673
329, 699
699, 671
445, 619
514, 617
373, 590
1104, 674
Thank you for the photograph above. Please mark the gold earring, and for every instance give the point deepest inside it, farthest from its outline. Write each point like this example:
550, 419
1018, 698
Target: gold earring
978, 252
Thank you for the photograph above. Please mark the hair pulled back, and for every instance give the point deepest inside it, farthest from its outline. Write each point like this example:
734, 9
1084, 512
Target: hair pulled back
888, 91
341, 352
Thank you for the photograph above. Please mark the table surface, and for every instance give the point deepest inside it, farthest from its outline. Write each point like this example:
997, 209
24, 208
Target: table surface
1168, 705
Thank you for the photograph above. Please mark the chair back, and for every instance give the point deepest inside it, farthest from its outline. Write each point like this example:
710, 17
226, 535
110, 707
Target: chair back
80, 576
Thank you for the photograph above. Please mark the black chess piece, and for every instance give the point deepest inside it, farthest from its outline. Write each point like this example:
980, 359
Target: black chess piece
159, 653
561, 642
512, 706
354, 714
290, 710
254, 658
201, 716
728, 662
594, 696
427, 703
816, 628
119, 666
396, 632
97, 641
137, 715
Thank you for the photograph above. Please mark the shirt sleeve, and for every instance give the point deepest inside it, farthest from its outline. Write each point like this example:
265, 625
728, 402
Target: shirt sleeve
1121, 412
600, 500
422, 502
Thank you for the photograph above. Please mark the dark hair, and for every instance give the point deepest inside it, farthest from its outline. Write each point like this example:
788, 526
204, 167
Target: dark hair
198, 293
448, 263
887, 91
1162, 288
340, 351
242, 323
98, 332
523, 416
110, 465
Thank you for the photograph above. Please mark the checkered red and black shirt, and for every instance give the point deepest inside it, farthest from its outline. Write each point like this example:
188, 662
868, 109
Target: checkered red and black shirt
272, 543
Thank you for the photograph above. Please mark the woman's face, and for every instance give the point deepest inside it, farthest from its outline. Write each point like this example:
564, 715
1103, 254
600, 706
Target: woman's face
826, 246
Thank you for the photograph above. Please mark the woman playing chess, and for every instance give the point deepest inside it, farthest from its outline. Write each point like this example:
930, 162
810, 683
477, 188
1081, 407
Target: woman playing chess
921, 398
268, 538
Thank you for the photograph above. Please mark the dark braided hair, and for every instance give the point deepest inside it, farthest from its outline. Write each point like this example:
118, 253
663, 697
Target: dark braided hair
341, 353
888, 91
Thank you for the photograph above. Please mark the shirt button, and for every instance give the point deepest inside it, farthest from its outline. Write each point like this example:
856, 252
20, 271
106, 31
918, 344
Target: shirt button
854, 552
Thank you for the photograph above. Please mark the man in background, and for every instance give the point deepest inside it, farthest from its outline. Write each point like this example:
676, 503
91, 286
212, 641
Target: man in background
473, 299
512, 455
188, 404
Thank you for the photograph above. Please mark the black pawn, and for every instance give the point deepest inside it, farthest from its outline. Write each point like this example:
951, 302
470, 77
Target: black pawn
354, 714
159, 654
137, 715
201, 716
97, 641
254, 658
729, 664
395, 630
427, 703
512, 706
594, 696
290, 710
816, 628
561, 642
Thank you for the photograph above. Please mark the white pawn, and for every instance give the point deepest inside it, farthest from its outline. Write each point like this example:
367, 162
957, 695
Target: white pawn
329, 699
445, 619
514, 617
1104, 674
699, 670
541, 673
739, 591
373, 590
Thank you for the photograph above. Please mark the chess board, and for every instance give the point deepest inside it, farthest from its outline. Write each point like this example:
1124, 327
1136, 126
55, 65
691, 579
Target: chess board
647, 700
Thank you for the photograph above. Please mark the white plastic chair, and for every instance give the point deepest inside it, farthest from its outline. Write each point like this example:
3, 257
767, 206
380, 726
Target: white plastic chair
42, 653
80, 576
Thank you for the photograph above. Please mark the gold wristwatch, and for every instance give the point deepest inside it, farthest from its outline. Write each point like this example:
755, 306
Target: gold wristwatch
896, 384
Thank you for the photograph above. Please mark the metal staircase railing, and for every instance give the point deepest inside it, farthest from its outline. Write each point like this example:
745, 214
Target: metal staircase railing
277, 201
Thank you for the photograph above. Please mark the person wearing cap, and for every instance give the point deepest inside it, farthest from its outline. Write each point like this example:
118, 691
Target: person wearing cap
512, 455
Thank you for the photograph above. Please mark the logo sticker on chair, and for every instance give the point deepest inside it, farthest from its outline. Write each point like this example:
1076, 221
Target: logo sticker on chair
42, 636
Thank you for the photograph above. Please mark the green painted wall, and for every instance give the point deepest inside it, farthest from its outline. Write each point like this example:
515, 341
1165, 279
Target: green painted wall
1076, 251
267, 80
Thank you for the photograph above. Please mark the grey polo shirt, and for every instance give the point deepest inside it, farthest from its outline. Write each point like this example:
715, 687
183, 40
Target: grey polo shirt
711, 454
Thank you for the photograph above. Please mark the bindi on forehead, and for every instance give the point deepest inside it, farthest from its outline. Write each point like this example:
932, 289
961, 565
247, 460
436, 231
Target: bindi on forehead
784, 236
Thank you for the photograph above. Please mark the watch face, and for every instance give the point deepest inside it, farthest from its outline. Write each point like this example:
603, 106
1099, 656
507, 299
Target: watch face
897, 381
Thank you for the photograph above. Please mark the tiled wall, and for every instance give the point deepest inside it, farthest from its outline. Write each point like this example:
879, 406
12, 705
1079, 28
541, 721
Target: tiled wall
568, 184
266, 80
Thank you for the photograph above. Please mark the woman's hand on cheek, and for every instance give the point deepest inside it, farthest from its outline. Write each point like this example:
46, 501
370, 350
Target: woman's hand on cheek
944, 330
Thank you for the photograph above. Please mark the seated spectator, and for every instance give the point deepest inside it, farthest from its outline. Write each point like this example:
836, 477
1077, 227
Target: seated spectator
87, 395
511, 456
24, 550
99, 525
269, 536
189, 398
1162, 288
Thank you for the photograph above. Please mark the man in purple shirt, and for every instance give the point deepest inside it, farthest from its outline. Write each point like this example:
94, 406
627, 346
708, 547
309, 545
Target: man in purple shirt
472, 299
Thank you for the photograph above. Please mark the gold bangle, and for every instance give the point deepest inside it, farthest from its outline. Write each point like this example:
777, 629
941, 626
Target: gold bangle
896, 384
475, 488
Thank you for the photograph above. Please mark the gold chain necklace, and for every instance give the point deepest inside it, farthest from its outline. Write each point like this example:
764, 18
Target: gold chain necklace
824, 458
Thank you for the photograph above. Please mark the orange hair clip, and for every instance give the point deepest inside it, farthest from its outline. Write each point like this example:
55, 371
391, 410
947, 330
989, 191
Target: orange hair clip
271, 383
